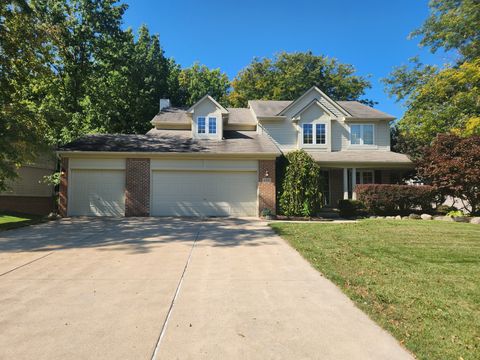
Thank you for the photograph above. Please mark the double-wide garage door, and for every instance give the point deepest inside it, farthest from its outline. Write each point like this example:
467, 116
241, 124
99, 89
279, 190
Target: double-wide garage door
101, 192
204, 193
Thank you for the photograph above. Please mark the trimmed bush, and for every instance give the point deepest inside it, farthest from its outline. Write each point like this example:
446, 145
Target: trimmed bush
350, 208
388, 199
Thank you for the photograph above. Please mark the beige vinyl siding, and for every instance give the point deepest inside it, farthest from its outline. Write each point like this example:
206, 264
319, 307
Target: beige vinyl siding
381, 137
283, 133
30, 182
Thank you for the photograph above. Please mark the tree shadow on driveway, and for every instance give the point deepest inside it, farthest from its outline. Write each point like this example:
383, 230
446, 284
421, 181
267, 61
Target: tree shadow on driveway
136, 235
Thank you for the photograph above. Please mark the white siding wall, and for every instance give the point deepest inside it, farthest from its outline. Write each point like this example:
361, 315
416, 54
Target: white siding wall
207, 109
284, 133
382, 135
314, 115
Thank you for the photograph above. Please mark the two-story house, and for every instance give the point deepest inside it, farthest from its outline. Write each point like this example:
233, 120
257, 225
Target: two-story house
214, 161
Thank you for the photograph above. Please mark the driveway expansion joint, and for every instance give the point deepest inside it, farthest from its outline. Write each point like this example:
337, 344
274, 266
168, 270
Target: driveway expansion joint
177, 291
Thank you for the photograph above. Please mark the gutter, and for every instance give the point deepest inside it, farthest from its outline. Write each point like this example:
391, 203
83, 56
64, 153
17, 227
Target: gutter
144, 154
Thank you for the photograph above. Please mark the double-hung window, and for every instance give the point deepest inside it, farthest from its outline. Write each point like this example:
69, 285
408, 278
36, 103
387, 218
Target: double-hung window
212, 125
361, 134
201, 125
314, 134
320, 134
307, 133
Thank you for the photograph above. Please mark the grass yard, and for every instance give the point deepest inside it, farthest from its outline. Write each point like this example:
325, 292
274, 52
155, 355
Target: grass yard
420, 280
13, 221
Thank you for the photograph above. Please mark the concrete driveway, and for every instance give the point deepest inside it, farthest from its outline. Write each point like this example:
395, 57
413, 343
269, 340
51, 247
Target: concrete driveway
172, 289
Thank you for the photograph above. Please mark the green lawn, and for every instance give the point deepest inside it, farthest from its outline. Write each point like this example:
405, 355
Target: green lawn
418, 279
13, 221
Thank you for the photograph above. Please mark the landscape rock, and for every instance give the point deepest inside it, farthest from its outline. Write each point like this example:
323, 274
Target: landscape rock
414, 217
426, 217
372, 217
447, 218
389, 217
398, 217
475, 220
462, 219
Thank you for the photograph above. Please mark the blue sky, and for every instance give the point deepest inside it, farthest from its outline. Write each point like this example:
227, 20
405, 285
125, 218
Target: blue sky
370, 34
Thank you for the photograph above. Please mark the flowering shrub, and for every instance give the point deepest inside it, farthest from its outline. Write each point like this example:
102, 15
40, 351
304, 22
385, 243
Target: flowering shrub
393, 199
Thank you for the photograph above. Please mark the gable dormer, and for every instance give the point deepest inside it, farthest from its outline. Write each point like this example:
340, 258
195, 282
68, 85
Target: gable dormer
207, 119
314, 94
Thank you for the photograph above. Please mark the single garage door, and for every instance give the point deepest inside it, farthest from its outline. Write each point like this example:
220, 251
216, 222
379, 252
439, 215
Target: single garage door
96, 193
203, 193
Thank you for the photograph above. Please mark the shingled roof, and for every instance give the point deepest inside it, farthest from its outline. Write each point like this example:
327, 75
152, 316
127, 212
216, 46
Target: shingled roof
174, 141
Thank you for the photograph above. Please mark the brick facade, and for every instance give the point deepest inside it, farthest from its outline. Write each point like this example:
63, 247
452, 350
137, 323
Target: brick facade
63, 191
137, 187
37, 205
266, 185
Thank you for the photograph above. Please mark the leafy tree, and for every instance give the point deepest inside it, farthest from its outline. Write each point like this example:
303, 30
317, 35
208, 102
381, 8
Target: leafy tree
452, 166
289, 75
23, 53
441, 100
197, 81
125, 97
452, 25
447, 102
301, 186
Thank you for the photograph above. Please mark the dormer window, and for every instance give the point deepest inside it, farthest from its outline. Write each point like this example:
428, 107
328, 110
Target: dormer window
212, 125
205, 125
319, 137
201, 125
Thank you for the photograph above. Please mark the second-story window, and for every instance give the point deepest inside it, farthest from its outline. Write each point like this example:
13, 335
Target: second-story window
361, 134
307, 133
201, 125
212, 125
320, 134
314, 134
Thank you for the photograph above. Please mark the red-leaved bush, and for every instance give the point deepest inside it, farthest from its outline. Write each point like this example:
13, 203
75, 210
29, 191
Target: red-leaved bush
452, 165
389, 199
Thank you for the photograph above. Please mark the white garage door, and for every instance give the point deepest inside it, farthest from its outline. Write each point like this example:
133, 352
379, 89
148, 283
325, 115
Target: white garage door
97, 193
202, 193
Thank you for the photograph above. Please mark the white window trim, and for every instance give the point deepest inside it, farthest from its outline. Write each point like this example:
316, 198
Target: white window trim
314, 134
207, 126
361, 135
214, 118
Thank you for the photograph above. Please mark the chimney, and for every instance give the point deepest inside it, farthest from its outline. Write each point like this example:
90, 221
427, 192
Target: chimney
164, 103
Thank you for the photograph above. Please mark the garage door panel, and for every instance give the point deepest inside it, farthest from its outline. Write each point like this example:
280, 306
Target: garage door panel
97, 193
197, 193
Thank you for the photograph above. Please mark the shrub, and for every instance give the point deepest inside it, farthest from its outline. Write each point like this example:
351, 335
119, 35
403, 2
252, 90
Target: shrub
301, 186
350, 208
452, 165
445, 209
455, 213
389, 199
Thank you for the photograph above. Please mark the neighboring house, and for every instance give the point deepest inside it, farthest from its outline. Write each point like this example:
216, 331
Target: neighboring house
214, 161
28, 193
